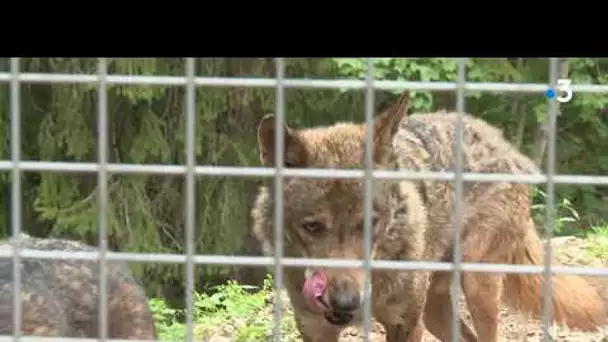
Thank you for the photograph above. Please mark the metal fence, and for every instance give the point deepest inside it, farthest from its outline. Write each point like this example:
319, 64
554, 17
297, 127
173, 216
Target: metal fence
190, 170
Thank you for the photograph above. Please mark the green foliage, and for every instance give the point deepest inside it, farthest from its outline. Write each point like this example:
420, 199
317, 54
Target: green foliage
597, 238
565, 214
428, 69
146, 125
168, 326
239, 310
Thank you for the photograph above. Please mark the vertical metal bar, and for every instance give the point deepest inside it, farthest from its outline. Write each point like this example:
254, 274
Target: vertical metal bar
547, 302
6, 152
190, 194
16, 191
102, 200
278, 195
458, 195
367, 198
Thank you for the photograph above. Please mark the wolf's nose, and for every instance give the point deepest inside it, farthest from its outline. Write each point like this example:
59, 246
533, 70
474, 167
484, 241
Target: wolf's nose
345, 298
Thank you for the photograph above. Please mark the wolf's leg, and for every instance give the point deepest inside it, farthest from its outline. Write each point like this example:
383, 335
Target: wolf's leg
402, 314
482, 292
438, 312
491, 232
403, 333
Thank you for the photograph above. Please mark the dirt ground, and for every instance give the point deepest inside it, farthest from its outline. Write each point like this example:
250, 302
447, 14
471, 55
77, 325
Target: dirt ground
515, 327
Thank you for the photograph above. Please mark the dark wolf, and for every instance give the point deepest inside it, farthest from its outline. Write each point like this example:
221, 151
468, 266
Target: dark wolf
412, 220
60, 298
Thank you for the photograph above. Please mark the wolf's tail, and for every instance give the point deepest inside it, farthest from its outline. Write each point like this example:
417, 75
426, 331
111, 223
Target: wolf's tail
575, 302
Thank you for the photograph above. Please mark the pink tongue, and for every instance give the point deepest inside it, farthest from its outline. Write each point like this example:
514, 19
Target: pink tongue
314, 287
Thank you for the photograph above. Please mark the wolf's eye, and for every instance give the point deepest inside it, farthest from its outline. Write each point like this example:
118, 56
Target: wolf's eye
314, 227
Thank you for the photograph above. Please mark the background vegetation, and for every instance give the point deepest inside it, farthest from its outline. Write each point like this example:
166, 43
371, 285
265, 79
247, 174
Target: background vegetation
147, 126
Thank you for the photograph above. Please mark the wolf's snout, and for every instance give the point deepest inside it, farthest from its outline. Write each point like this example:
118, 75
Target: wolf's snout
345, 296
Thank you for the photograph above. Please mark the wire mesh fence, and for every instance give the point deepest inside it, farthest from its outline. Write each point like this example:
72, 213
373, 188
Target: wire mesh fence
190, 81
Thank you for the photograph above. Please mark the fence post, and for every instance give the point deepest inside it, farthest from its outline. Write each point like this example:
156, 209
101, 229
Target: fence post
6, 154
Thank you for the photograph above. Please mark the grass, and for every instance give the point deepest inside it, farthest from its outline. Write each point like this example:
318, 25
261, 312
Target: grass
598, 242
566, 224
237, 312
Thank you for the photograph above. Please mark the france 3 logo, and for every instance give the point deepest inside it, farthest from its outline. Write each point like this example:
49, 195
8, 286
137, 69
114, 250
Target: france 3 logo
562, 92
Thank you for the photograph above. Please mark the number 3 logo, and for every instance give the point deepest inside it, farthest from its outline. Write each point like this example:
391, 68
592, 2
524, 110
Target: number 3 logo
564, 90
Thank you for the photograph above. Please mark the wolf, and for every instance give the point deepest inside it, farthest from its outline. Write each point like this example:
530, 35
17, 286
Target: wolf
60, 298
412, 220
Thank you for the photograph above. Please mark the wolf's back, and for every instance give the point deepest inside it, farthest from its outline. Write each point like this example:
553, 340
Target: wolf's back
433, 134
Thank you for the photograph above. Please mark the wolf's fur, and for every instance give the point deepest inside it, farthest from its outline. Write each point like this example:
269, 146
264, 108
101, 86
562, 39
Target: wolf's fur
413, 222
60, 298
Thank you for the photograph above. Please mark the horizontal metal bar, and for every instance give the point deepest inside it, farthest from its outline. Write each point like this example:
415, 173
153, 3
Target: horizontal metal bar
295, 83
246, 171
301, 262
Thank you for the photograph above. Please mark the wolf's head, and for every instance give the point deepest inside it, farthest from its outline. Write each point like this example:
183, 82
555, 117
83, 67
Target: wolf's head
323, 218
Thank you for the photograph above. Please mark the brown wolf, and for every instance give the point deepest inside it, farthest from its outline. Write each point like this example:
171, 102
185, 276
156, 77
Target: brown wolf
412, 221
60, 298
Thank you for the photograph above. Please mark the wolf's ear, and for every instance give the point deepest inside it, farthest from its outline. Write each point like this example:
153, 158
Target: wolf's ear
386, 126
295, 154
